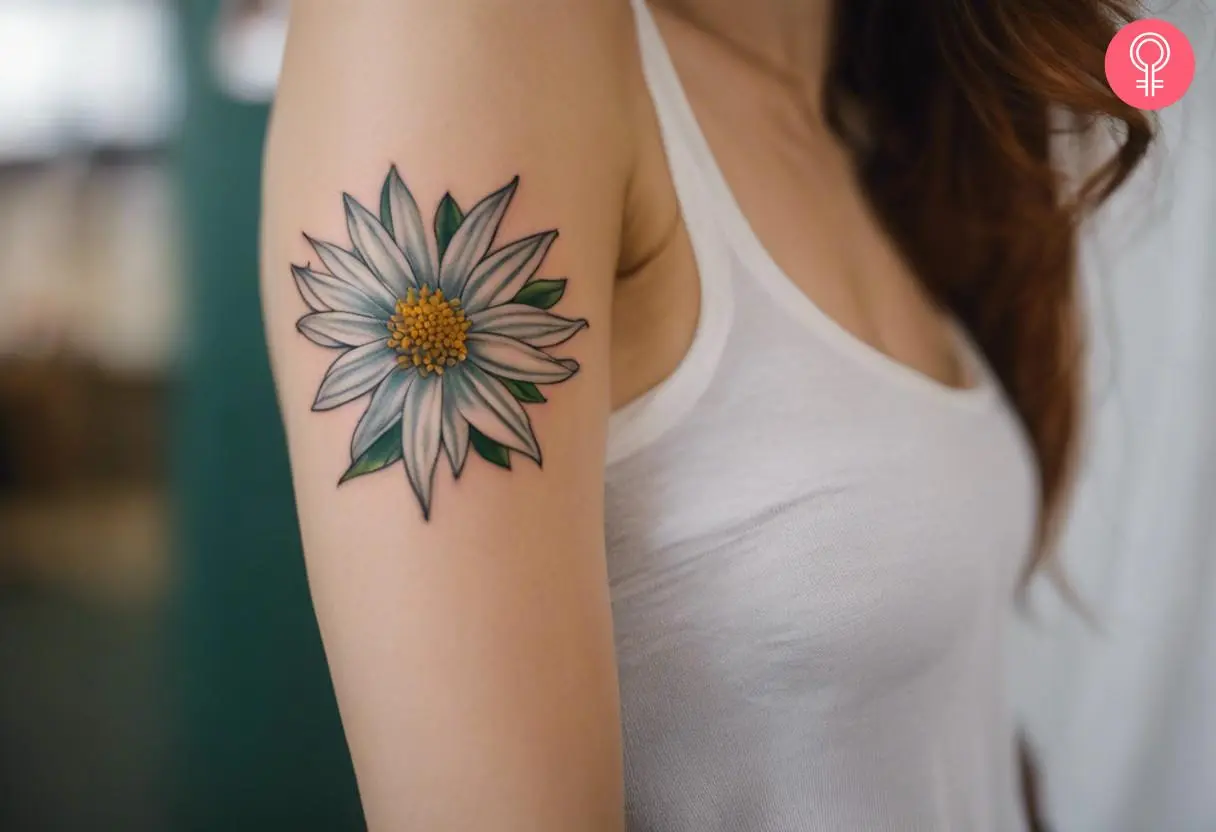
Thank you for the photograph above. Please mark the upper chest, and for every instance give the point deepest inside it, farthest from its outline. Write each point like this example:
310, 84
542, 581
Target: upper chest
796, 189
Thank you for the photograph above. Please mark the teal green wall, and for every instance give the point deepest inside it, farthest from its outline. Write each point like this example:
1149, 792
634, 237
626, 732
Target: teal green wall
259, 744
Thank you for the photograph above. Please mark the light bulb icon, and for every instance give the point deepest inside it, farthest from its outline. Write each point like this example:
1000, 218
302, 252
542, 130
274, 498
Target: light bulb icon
1150, 83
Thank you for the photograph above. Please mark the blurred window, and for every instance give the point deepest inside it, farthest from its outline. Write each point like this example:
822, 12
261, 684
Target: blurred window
82, 74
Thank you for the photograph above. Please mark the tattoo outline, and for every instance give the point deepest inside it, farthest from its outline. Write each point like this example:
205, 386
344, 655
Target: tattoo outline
445, 334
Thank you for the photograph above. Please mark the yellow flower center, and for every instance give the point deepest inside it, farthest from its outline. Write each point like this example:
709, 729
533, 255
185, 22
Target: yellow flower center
428, 331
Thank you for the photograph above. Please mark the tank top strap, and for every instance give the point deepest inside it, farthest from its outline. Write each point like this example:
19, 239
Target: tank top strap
691, 165
687, 146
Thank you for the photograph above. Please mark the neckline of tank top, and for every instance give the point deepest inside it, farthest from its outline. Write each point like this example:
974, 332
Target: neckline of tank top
668, 91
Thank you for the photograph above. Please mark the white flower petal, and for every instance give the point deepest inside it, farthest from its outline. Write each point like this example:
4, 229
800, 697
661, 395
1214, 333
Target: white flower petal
472, 239
498, 278
342, 329
409, 230
508, 358
378, 249
525, 323
422, 430
355, 373
383, 412
455, 434
490, 407
307, 291
337, 294
349, 269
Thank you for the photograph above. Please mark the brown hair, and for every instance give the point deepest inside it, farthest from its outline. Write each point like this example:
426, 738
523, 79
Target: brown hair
959, 101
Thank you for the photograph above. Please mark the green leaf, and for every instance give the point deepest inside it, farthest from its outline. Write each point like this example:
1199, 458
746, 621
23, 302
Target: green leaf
448, 218
541, 294
384, 452
488, 449
386, 211
525, 391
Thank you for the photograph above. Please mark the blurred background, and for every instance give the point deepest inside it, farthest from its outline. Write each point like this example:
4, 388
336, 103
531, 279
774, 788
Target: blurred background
160, 668
159, 665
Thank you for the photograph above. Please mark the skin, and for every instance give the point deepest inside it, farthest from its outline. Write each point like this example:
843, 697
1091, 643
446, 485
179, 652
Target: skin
792, 178
472, 655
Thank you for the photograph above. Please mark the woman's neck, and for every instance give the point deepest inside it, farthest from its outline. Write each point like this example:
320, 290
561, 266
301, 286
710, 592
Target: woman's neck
787, 38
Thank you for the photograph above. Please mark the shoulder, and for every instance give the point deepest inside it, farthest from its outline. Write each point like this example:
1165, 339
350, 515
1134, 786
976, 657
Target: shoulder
550, 41
545, 76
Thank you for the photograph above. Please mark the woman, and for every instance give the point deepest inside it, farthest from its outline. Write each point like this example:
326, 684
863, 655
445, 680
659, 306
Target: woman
676, 395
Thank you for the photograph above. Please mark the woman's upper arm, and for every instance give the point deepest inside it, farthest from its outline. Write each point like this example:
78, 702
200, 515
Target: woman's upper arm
448, 461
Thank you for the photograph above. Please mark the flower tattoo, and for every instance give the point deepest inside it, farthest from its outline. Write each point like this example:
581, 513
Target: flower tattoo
449, 341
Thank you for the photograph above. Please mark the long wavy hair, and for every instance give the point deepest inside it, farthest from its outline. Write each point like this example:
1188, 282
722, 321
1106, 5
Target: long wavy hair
959, 103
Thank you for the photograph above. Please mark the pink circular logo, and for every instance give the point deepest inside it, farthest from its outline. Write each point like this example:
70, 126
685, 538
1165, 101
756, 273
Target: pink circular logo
1150, 64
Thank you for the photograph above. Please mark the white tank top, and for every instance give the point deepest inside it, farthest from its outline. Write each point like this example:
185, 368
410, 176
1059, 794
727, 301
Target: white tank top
812, 552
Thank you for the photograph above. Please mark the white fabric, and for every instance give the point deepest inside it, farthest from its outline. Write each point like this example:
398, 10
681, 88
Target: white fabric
1123, 715
811, 552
